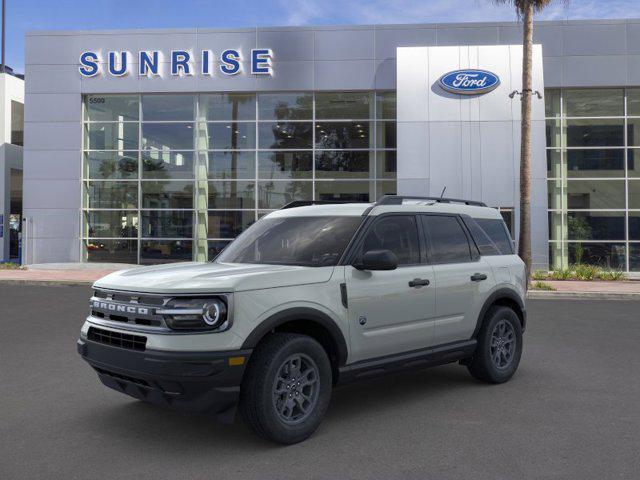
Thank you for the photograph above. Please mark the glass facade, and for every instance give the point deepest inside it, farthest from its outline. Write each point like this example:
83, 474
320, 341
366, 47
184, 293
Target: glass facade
593, 177
169, 177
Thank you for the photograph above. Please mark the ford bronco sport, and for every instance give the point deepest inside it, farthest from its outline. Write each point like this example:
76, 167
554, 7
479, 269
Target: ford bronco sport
308, 297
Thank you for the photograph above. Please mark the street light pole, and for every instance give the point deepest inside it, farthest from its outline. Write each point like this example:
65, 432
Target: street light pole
4, 5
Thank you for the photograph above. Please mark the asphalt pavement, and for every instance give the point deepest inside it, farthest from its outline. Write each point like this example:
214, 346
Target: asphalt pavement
571, 412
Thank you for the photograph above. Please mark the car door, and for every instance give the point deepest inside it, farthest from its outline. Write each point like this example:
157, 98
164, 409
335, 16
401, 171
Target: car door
391, 311
462, 278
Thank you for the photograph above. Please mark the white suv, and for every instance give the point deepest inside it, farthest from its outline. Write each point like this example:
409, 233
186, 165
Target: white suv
308, 297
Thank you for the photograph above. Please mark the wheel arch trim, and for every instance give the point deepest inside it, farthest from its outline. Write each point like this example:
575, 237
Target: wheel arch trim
300, 314
501, 294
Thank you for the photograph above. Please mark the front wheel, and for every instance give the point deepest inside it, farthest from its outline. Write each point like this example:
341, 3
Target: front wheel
499, 346
287, 388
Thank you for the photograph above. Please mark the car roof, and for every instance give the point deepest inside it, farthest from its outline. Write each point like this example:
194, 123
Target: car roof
359, 209
334, 209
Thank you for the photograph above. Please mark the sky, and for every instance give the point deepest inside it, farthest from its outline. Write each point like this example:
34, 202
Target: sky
26, 15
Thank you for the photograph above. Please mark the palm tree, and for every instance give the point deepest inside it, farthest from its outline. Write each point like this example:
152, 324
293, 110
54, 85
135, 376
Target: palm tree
525, 10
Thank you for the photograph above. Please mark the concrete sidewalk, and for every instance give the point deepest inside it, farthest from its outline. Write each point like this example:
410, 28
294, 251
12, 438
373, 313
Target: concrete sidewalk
84, 274
60, 273
627, 290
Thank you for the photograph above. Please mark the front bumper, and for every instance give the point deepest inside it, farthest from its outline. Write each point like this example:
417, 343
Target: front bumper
202, 382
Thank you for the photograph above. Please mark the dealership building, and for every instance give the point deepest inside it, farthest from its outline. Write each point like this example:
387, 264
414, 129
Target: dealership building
149, 146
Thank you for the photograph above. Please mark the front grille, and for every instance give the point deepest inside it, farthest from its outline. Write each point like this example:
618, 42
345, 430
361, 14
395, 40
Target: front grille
117, 339
120, 318
128, 308
130, 298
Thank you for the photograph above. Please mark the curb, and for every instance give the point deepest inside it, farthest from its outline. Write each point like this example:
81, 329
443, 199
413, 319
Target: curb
544, 295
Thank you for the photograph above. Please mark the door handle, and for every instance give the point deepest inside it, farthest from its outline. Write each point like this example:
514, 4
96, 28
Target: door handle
418, 282
478, 277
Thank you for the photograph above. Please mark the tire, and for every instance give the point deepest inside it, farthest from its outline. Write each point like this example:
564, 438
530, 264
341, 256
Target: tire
275, 404
496, 360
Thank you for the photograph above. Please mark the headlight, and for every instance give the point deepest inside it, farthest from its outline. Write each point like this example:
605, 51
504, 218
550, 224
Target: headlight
196, 314
215, 313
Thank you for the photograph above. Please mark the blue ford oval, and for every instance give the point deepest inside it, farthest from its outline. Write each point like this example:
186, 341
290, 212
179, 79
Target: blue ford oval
469, 81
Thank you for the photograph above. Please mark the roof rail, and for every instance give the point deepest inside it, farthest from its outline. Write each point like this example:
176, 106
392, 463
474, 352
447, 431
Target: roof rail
306, 203
398, 199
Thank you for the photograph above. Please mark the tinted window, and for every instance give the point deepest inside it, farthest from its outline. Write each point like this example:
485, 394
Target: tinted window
482, 240
497, 232
507, 216
227, 106
449, 243
598, 102
17, 123
112, 108
168, 107
285, 106
335, 105
304, 241
398, 234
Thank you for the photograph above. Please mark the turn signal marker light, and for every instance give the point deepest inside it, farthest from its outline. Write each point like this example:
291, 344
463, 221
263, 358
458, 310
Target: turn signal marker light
236, 361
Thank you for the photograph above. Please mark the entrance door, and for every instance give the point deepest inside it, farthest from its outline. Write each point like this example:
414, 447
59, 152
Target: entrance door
391, 311
15, 211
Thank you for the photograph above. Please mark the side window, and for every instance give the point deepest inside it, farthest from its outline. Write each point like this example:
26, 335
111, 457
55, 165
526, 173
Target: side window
449, 243
507, 216
497, 232
397, 233
484, 243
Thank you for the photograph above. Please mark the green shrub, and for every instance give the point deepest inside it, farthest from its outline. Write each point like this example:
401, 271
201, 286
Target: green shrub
543, 286
612, 275
9, 266
587, 272
562, 274
540, 275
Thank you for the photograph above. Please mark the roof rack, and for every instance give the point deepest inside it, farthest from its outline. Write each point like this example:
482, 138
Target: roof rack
398, 199
306, 203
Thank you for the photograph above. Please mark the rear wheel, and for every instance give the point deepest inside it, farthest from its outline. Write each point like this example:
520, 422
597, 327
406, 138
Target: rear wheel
287, 388
499, 346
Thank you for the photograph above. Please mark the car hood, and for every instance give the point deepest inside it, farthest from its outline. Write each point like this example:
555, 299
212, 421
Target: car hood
197, 277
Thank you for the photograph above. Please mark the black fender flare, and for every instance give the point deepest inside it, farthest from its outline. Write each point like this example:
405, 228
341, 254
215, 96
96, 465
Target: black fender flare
300, 314
502, 293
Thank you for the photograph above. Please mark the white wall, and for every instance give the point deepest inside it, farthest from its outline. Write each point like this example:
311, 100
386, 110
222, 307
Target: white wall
470, 144
11, 88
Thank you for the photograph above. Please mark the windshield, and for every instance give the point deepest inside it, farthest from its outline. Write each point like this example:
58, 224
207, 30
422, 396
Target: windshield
303, 241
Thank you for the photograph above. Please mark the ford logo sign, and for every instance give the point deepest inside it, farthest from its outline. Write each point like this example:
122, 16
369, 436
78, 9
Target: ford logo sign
469, 82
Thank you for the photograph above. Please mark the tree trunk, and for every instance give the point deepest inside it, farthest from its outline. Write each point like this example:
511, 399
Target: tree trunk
524, 244
234, 146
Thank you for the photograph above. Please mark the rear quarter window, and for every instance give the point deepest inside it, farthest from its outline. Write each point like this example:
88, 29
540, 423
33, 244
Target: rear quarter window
497, 232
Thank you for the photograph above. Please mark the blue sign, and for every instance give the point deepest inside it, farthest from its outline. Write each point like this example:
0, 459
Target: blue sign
469, 82
181, 62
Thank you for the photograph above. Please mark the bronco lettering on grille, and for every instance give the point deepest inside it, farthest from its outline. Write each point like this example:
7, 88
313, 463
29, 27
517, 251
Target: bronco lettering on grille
119, 308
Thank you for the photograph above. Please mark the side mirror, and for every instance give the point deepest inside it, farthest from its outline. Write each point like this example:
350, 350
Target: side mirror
378, 260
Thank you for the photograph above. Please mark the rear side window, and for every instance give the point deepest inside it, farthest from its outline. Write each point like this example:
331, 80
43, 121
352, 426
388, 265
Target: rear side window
449, 243
497, 231
485, 245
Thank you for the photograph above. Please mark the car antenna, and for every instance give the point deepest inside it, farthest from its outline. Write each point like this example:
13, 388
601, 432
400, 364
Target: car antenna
442, 194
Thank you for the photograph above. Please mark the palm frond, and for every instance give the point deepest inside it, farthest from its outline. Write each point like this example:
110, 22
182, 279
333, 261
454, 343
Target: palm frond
519, 5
